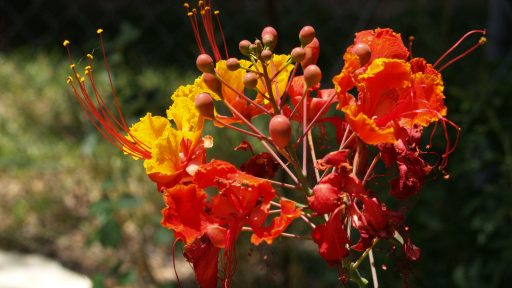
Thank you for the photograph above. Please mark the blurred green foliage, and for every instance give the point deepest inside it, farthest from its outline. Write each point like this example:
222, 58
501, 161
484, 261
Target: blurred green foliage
68, 194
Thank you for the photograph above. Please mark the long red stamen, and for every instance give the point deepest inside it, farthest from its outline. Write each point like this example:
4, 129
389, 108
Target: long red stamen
193, 22
483, 32
206, 16
480, 43
112, 128
222, 33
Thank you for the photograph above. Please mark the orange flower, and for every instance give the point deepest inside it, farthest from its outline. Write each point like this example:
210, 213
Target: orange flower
391, 91
392, 94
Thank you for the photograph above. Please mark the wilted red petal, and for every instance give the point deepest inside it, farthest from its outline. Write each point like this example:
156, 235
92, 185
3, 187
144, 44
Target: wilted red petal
412, 252
333, 159
412, 171
244, 146
204, 257
261, 165
365, 242
331, 238
184, 212
349, 184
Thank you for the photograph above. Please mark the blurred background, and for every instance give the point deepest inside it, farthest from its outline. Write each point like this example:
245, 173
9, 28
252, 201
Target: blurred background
67, 194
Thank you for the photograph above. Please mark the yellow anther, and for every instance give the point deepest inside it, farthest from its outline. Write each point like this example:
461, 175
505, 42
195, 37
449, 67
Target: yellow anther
72, 66
207, 8
482, 41
82, 79
90, 56
86, 72
186, 5
217, 12
202, 12
190, 14
65, 43
194, 10
201, 3
99, 31
69, 80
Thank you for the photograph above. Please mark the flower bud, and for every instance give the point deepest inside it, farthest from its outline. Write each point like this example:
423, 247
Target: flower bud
204, 63
298, 54
250, 80
269, 37
212, 83
306, 35
362, 51
312, 75
204, 104
232, 64
312, 52
325, 199
243, 46
280, 130
266, 55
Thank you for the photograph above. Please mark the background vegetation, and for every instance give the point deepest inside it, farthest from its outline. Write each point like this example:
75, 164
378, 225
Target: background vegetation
67, 194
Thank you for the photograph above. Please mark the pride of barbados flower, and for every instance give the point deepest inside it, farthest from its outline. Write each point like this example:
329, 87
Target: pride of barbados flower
382, 100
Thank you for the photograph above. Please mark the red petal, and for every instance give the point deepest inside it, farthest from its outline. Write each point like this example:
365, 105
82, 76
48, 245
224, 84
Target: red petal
261, 165
288, 213
333, 159
209, 173
184, 213
204, 257
331, 239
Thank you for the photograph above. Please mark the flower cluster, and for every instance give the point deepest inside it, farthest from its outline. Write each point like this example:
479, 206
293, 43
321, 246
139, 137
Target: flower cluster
380, 103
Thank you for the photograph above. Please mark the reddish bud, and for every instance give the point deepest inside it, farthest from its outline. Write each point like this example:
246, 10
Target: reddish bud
266, 55
298, 54
325, 199
204, 104
306, 35
312, 75
250, 80
362, 51
243, 46
212, 83
217, 235
232, 64
312, 52
204, 63
280, 130
269, 37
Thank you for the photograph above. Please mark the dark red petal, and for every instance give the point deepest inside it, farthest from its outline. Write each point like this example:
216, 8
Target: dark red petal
204, 257
331, 239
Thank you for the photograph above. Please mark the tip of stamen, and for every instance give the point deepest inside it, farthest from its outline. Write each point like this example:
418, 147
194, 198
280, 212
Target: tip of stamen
482, 41
186, 5
82, 79
65, 43
90, 56
99, 31
216, 12
72, 66
69, 80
